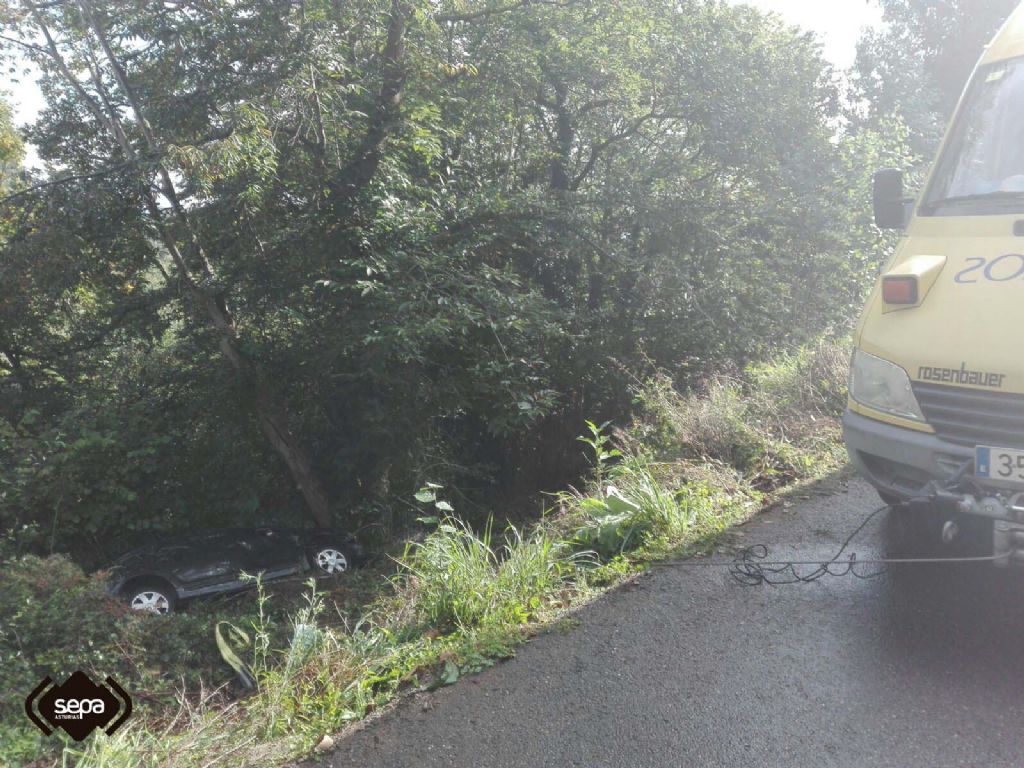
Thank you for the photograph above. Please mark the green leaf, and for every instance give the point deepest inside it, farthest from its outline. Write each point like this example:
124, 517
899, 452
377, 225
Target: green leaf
451, 673
618, 504
228, 653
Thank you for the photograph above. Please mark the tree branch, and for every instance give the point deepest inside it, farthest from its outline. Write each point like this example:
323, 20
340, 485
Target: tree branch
28, 191
598, 149
453, 18
23, 44
359, 172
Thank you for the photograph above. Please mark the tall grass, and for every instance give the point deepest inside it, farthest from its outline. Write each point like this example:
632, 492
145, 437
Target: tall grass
457, 578
639, 507
691, 463
769, 426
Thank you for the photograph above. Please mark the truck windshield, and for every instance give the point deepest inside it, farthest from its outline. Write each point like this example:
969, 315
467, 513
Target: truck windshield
982, 169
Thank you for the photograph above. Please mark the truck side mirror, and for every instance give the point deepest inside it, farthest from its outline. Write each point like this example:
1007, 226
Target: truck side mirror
890, 212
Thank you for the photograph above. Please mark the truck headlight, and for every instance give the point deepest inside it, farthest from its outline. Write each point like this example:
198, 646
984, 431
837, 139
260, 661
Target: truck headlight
884, 386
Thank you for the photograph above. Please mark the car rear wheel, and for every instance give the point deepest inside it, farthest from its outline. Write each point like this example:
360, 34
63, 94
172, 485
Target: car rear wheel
151, 597
330, 559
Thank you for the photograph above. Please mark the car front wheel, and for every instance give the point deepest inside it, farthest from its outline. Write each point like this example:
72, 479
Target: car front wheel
151, 597
330, 559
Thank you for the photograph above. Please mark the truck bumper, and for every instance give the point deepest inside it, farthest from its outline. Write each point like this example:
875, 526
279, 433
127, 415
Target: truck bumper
899, 462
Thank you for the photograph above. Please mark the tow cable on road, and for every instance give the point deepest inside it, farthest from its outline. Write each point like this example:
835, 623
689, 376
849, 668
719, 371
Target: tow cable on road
752, 568
958, 493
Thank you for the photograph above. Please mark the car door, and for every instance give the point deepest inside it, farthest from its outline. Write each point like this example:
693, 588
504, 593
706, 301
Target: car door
203, 563
266, 551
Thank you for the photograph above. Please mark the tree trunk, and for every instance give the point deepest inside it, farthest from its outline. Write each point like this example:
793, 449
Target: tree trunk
274, 424
359, 172
565, 136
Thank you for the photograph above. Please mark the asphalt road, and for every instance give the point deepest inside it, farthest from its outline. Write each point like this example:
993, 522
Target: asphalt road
923, 667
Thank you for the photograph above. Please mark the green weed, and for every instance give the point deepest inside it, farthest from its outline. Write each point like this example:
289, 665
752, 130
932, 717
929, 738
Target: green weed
457, 578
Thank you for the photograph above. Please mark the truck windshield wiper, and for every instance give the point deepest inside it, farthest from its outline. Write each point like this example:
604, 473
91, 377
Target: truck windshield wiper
996, 198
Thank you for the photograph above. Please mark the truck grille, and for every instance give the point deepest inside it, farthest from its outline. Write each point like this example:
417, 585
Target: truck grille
973, 417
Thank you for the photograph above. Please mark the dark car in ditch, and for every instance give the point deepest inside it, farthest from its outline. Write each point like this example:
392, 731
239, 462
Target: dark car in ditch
161, 575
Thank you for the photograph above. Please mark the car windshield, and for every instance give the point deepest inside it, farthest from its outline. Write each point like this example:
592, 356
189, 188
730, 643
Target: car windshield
983, 165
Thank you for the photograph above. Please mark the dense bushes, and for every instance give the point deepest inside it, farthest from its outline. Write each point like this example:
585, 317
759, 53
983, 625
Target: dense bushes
54, 620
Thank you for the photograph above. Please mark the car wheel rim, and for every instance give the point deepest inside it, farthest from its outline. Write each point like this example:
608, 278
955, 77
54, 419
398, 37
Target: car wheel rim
331, 561
151, 602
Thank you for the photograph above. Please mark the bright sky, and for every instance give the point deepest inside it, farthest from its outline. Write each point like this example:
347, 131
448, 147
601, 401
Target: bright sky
838, 22
23, 96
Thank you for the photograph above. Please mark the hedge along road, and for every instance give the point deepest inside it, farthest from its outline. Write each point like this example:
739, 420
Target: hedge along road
922, 667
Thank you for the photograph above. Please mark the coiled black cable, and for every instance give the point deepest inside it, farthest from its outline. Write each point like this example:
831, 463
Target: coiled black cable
750, 569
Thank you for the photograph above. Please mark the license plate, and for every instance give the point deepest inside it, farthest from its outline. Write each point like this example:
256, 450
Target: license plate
1005, 464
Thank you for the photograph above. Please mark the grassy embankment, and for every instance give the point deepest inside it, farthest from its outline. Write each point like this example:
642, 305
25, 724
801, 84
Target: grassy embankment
686, 470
